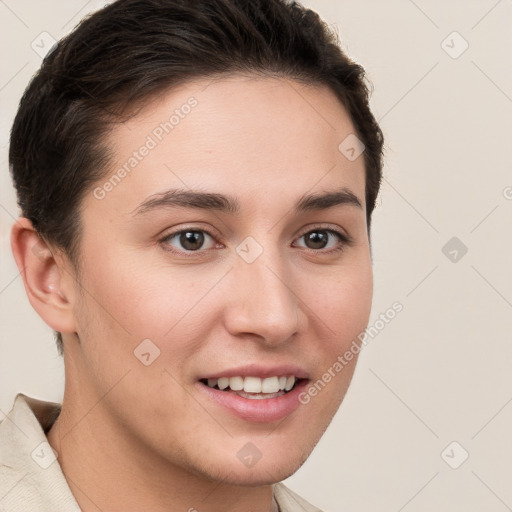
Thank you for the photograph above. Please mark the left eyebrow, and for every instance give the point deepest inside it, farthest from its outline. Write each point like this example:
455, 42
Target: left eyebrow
328, 200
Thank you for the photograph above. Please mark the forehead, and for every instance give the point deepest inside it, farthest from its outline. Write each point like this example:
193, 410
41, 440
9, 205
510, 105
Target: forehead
253, 135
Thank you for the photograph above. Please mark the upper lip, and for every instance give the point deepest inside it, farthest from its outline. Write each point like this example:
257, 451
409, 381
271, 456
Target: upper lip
258, 370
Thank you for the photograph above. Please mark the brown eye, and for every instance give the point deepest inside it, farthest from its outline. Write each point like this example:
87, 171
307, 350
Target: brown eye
316, 239
189, 240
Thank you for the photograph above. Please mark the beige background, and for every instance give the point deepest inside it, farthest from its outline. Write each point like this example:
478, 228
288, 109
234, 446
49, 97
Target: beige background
440, 371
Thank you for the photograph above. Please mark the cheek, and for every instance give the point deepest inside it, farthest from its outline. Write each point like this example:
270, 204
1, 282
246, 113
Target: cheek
137, 298
131, 301
344, 302
344, 310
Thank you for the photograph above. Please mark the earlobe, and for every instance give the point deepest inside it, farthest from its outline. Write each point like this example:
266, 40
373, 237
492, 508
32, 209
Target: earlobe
47, 282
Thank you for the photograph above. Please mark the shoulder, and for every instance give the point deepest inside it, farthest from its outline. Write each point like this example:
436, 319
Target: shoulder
290, 501
30, 475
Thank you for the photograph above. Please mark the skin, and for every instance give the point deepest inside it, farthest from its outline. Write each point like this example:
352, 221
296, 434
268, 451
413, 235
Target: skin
267, 142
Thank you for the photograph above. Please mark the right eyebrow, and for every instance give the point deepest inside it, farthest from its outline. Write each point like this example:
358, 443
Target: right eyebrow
188, 199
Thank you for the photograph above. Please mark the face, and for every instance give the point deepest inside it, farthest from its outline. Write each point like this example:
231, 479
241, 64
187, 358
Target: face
232, 251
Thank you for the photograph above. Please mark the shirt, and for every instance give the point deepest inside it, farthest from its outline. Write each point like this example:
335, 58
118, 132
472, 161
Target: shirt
31, 479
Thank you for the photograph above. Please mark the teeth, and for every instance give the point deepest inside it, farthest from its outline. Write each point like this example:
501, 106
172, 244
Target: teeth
236, 383
259, 396
268, 385
251, 385
223, 382
271, 385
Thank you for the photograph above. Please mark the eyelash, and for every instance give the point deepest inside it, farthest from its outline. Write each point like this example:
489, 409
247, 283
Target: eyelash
345, 241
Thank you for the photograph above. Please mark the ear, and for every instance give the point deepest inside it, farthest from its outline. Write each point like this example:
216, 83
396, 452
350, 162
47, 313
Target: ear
48, 277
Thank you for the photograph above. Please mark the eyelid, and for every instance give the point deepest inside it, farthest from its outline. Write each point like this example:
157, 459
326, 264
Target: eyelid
345, 240
171, 234
168, 232
328, 227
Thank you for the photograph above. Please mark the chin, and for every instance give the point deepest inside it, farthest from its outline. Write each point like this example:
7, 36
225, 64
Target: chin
267, 470
267, 474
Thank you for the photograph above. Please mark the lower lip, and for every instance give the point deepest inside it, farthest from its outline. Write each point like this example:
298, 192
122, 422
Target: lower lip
260, 411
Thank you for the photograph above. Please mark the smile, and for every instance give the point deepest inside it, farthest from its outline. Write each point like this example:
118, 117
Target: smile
254, 399
253, 387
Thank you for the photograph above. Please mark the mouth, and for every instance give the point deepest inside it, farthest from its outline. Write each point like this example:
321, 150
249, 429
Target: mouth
254, 388
254, 399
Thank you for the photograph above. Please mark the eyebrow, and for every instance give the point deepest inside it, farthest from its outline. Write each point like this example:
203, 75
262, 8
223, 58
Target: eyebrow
227, 204
322, 201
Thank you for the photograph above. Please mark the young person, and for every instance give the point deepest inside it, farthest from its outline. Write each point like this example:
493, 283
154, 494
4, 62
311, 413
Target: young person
196, 182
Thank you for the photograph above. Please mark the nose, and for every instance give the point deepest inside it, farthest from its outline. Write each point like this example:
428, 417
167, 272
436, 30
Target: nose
262, 302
